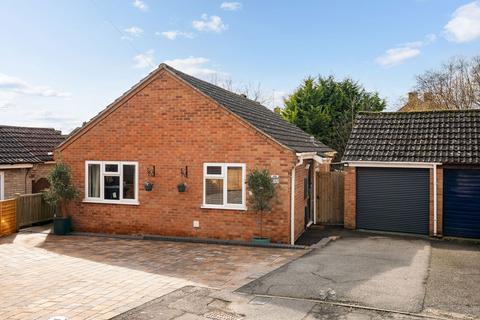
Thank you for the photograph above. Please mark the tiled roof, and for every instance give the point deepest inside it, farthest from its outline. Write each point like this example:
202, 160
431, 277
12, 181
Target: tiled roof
257, 115
449, 137
252, 112
27, 145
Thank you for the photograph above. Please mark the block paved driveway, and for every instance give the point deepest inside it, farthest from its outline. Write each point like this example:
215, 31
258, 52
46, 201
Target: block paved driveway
80, 277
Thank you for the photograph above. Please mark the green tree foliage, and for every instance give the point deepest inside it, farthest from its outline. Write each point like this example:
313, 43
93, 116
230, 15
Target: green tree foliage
326, 108
61, 189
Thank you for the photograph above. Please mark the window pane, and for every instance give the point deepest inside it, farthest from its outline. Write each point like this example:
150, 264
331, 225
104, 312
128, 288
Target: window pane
128, 181
111, 168
214, 191
112, 188
93, 181
214, 170
234, 185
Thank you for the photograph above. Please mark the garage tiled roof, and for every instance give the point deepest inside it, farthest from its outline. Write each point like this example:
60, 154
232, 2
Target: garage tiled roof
449, 137
258, 116
27, 145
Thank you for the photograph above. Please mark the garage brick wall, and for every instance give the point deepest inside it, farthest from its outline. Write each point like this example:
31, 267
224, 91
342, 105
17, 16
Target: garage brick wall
439, 202
170, 125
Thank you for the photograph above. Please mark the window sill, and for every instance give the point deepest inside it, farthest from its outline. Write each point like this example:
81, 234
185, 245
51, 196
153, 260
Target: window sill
131, 203
206, 206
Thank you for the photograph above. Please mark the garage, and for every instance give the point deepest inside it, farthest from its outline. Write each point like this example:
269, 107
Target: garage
393, 199
461, 203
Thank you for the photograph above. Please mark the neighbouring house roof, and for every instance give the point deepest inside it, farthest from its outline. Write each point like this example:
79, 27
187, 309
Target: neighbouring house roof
257, 115
449, 137
424, 102
20, 145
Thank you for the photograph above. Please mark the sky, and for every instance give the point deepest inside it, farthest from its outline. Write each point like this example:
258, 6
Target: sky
62, 62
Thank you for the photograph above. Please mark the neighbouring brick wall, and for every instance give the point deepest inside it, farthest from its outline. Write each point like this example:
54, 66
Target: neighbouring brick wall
170, 125
19, 181
15, 182
350, 198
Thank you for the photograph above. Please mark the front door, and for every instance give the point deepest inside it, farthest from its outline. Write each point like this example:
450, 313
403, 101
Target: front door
307, 189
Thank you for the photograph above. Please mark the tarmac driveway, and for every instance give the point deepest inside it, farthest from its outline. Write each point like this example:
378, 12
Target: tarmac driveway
377, 271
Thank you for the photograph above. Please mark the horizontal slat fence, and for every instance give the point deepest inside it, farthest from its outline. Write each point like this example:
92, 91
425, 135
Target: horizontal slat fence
31, 208
8, 223
330, 197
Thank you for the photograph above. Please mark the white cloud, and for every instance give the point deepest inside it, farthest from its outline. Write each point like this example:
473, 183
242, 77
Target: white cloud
141, 5
393, 57
464, 26
18, 86
134, 31
174, 34
405, 51
209, 24
195, 66
144, 60
231, 6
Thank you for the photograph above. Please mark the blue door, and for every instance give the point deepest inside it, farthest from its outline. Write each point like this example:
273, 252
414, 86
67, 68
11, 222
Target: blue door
461, 203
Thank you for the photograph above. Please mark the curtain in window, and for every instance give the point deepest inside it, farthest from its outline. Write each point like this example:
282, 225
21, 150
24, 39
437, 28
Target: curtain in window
94, 181
234, 185
128, 181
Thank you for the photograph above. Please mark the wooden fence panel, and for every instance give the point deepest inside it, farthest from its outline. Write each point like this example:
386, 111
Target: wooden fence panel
8, 223
31, 208
330, 197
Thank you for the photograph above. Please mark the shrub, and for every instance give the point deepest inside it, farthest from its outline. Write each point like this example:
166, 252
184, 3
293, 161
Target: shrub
61, 189
262, 191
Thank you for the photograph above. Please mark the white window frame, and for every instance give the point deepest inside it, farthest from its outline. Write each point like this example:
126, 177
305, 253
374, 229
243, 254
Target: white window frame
224, 177
103, 174
2, 185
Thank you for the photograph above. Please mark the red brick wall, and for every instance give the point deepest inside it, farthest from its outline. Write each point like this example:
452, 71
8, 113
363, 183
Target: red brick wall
300, 173
350, 198
170, 125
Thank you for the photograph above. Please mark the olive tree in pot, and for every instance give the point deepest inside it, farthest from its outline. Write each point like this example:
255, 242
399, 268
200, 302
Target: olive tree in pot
58, 195
262, 190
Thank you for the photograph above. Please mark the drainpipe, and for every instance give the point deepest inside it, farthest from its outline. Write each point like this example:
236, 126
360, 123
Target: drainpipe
435, 200
292, 209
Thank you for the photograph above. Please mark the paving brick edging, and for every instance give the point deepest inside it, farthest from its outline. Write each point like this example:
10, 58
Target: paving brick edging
192, 240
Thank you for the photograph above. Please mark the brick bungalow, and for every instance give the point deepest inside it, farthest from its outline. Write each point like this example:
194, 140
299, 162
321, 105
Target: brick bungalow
173, 128
414, 172
26, 157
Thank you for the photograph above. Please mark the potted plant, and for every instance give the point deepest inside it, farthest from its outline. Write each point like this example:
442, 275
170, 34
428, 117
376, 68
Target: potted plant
262, 190
58, 195
182, 187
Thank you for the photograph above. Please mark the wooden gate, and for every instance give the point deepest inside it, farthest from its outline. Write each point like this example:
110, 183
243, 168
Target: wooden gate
7, 217
330, 197
31, 208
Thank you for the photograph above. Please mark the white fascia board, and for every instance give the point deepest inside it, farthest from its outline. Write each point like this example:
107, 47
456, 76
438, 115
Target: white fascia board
310, 155
392, 164
15, 166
